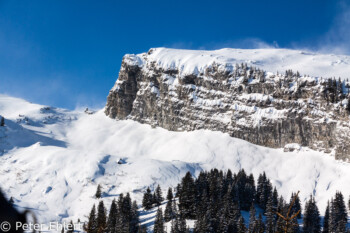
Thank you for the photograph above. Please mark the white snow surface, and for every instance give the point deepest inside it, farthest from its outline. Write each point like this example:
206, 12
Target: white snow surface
271, 60
53, 159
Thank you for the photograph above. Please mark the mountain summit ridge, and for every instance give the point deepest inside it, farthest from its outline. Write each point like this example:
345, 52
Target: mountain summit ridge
269, 59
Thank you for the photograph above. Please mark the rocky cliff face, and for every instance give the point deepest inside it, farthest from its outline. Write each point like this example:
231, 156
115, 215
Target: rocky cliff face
264, 108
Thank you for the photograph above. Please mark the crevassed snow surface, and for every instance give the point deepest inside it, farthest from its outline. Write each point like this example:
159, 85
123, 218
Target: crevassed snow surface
271, 60
53, 159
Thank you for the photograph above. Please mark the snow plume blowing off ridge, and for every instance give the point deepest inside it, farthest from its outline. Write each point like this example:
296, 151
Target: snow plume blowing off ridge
337, 38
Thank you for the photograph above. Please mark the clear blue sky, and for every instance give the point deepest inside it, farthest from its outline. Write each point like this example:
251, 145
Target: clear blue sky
68, 53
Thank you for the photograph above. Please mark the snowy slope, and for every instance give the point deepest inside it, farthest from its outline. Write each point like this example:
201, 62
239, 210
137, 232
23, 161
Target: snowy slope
271, 60
53, 160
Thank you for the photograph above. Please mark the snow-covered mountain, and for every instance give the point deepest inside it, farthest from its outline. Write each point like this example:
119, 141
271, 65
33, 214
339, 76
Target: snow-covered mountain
53, 159
184, 90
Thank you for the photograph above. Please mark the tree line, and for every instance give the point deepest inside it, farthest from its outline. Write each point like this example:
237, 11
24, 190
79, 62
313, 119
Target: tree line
333, 90
215, 201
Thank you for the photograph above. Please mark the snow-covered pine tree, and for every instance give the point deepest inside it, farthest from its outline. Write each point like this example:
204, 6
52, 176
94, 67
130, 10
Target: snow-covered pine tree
98, 193
125, 209
134, 218
182, 224
252, 219
227, 216
311, 220
112, 218
159, 222
178, 225
296, 206
124, 214
264, 190
168, 213
326, 220
92, 222
270, 216
147, 200
187, 197
338, 214
245, 190
201, 224
158, 197
101, 217
170, 194
121, 221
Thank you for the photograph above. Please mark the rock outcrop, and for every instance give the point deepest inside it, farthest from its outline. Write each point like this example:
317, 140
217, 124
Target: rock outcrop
264, 108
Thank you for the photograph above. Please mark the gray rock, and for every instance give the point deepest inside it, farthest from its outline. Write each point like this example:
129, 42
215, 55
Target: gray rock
272, 111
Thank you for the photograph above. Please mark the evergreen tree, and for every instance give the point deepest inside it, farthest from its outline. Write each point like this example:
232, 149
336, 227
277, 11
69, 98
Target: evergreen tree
159, 222
2, 121
228, 215
170, 195
92, 222
178, 225
245, 189
147, 200
124, 214
201, 225
98, 193
211, 222
182, 224
125, 209
187, 197
270, 216
311, 221
121, 220
296, 205
178, 189
326, 220
112, 218
264, 191
101, 217
275, 198
282, 209
252, 220
134, 218
338, 214
158, 198
168, 213
232, 209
